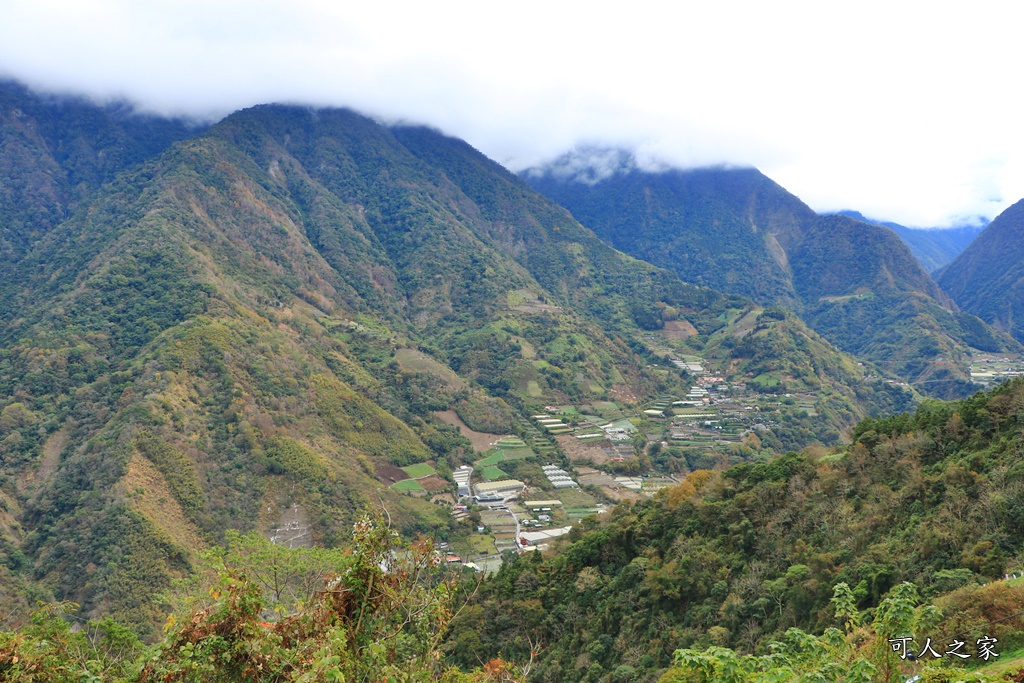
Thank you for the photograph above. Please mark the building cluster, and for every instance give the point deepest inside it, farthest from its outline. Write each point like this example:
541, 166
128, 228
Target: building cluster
558, 477
696, 396
691, 367
498, 491
461, 477
552, 425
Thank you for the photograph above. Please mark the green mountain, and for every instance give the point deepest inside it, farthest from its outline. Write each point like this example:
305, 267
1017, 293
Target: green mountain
247, 329
856, 284
720, 227
986, 278
737, 558
932, 247
57, 151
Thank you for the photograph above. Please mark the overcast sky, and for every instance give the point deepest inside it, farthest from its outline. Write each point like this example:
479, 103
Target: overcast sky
906, 111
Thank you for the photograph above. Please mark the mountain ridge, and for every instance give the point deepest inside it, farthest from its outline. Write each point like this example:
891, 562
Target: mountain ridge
932, 247
828, 269
985, 278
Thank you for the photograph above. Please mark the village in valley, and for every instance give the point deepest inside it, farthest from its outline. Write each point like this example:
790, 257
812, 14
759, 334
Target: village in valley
571, 461
989, 369
564, 462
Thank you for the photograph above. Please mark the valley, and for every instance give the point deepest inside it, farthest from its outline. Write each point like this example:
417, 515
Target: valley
299, 382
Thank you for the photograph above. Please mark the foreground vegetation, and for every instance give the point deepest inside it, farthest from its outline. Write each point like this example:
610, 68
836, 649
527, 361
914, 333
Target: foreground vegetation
373, 611
907, 533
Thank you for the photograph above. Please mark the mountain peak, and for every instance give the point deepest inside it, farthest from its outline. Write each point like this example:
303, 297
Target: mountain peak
592, 164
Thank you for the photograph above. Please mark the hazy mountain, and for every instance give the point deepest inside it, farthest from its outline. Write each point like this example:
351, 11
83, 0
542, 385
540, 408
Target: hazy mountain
856, 284
987, 278
932, 247
719, 227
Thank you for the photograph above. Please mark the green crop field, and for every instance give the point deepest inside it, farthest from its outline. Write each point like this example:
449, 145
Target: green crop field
491, 473
494, 458
498, 455
481, 543
418, 470
407, 485
575, 498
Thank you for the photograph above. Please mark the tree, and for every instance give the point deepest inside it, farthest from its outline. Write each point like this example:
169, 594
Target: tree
377, 613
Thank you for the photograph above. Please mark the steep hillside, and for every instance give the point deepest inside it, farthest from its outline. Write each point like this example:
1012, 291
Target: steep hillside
734, 559
932, 247
987, 279
210, 342
56, 151
740, 232
718, 227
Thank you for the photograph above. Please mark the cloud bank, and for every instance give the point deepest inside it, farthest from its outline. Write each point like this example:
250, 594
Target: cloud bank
902, 111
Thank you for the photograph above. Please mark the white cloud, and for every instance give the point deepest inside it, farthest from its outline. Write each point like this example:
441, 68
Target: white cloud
903, 110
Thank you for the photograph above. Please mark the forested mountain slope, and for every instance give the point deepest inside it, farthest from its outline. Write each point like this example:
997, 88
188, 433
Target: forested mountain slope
738, 231
735, 558
55, 151
987, 278
209, 341
932, 247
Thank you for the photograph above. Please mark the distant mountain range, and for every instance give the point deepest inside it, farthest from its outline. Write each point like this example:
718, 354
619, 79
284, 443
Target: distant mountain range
932, 247
857, 284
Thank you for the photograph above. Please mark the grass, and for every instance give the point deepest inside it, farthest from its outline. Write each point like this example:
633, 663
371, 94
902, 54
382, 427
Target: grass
494, 458
1008, 662
481, 543
418, 470
407, 485
768, 379
498, 455
417, 361
576, 499
492, 473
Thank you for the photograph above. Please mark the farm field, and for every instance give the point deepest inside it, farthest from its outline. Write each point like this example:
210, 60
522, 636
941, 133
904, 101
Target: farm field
482, 441
419, 470
414, 360
493, 473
